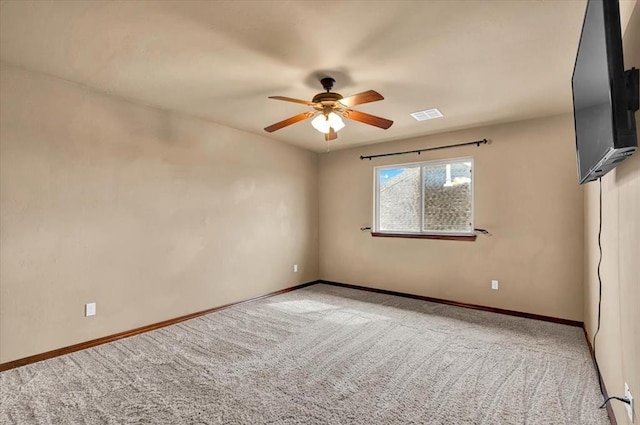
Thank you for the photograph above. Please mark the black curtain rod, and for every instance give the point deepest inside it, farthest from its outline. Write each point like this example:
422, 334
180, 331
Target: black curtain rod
418, 151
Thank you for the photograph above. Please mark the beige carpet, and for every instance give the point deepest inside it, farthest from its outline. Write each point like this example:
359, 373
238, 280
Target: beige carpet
320, 355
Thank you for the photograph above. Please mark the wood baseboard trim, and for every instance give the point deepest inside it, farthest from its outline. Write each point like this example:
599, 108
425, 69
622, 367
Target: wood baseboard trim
612, 416
460, 304
110, 338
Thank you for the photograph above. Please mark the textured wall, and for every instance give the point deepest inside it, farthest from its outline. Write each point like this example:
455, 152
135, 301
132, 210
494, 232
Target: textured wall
149, 214
526, 194
618, 342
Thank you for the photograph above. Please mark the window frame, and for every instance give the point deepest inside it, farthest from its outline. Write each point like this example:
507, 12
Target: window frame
427, 234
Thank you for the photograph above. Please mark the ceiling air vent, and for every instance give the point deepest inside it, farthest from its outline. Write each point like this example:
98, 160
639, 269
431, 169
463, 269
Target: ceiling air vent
427, 114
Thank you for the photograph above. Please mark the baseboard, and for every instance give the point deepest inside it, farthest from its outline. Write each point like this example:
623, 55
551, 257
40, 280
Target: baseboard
612, 416
459, 304
110, 338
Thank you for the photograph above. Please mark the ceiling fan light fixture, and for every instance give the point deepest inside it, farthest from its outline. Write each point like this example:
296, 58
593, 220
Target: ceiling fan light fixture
335, 121
323, 123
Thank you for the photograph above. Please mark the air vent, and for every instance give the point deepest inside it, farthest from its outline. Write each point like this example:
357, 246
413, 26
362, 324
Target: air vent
427, 114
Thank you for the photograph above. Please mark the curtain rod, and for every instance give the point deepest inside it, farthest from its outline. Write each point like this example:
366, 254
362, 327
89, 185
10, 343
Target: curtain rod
418, 151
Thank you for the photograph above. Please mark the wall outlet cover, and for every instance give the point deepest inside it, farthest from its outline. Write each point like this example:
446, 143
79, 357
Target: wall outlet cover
629, 407
90, 309
494, 285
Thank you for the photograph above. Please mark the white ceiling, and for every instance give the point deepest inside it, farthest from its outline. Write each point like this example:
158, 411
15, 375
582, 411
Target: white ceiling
479, 62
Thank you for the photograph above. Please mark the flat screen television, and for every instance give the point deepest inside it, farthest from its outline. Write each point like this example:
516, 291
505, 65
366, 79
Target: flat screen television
605, 97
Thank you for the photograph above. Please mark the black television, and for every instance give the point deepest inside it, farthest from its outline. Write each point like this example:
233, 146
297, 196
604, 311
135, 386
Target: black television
605, 96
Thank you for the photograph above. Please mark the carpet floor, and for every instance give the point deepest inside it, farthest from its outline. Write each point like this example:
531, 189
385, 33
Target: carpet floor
320, 355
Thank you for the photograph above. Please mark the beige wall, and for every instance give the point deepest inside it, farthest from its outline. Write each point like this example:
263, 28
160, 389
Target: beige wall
149, 214
618, 342
526, 194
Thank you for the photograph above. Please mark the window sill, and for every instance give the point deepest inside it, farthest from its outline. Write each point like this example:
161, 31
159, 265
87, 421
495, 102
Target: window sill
469, 238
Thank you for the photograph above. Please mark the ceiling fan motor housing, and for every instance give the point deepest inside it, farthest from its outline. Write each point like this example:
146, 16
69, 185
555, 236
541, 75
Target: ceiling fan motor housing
325, 99
327, 102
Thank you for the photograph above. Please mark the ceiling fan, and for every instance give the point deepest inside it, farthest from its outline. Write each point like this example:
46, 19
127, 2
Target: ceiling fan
328, 107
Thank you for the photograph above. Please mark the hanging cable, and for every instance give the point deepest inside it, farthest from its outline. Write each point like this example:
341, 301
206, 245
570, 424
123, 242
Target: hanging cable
595, 360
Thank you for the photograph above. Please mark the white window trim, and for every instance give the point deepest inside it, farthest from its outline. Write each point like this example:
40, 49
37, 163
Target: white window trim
376, 191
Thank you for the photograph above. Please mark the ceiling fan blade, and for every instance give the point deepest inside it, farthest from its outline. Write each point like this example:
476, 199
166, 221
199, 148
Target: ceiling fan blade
331, 135
288, 121
367, 118
290, 99
360, 98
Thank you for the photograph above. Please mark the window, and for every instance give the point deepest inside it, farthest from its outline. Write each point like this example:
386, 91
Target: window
426, 198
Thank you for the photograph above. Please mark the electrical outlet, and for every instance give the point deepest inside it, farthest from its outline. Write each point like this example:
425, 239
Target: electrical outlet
295, 268
629, 407
494, 285
90, 309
